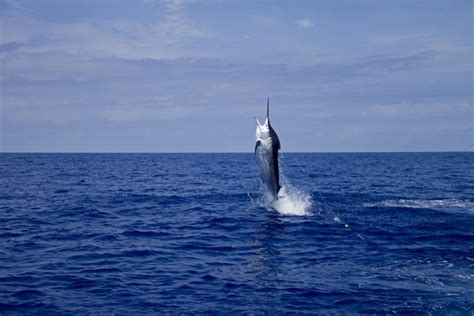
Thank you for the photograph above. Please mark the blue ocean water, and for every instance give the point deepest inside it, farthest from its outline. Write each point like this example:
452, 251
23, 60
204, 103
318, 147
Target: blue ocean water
181, 233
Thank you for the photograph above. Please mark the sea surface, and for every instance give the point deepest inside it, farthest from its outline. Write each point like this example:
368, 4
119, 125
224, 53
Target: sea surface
193, 233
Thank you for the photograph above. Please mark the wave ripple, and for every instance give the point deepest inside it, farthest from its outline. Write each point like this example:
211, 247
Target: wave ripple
191, 233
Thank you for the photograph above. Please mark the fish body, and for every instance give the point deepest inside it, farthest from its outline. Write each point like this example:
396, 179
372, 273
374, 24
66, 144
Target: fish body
266, 152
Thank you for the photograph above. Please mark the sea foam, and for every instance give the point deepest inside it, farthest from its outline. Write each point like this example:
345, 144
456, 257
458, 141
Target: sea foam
291, 201
446, 205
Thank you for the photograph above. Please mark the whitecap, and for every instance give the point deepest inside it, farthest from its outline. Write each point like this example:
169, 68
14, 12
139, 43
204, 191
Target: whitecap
448, 205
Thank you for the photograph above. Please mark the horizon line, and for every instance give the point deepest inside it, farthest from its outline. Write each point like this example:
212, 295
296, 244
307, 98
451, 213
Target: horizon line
231, 152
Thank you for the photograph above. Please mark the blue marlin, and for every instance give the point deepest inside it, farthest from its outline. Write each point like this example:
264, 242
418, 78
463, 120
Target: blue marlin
266, 151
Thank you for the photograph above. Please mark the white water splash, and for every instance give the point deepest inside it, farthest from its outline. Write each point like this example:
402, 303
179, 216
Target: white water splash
292, 201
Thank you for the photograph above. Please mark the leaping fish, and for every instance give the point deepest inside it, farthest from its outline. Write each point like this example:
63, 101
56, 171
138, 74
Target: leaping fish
266, 151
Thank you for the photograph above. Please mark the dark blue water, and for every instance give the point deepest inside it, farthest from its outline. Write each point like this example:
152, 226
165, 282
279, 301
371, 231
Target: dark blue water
181, 233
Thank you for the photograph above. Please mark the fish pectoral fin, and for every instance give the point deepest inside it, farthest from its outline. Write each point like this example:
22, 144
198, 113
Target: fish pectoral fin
256, 145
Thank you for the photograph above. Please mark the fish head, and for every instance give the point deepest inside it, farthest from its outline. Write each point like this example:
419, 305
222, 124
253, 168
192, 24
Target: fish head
263, 130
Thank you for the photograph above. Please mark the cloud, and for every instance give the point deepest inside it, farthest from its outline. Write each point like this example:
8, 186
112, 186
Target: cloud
304, 23
123, 98
419, 109
177, 21
387, 39
12, 8
10, 47
265, 20
165, 36
166, 73
76, 86
406, 62
421, 39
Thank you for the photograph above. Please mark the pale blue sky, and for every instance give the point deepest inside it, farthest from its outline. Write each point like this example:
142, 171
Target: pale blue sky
171, 76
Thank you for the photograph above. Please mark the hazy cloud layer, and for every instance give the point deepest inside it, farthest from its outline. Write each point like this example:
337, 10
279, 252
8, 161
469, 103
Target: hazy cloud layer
190, 76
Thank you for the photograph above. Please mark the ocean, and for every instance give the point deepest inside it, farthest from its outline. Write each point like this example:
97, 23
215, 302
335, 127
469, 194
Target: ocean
372, 233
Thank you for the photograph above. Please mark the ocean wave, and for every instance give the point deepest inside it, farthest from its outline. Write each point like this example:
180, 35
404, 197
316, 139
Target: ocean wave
190, 239
143, 233
447, 205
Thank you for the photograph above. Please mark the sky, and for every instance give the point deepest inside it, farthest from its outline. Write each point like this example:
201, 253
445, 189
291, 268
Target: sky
190, 76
